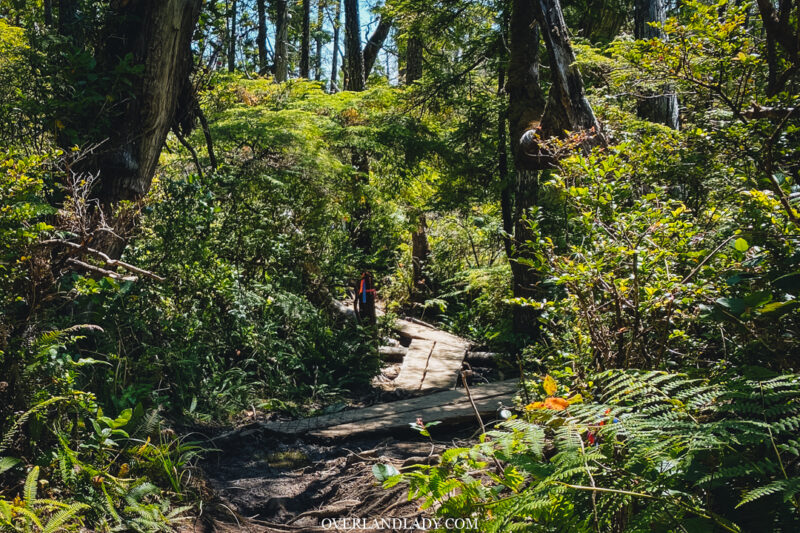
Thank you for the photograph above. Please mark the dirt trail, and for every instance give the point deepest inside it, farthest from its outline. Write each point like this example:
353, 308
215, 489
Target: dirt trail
297, 476
267, 485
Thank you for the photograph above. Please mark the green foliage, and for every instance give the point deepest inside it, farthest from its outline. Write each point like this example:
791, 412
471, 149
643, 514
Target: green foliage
654, 450
663, 249
41, 515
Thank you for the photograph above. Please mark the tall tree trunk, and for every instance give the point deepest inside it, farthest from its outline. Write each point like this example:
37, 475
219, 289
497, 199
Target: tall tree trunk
354, 60
567, 108
305, 43
413, 59
158, 35
68, 20
661, 107
261, 38
526, 99
281, 40
232, 37
603, 19
525, 109
48, 13
375, 43
318, 42
337, 18
420, 249
502, 166
354, 81
782, 30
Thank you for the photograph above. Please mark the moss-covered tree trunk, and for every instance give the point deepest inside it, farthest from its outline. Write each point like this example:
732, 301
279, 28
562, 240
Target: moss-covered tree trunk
158, 35
525, 107
413, 59
565, 110
603, 19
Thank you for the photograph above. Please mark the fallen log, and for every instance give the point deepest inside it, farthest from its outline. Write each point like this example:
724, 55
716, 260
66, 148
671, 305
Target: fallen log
482, 358
392, 354
346, 311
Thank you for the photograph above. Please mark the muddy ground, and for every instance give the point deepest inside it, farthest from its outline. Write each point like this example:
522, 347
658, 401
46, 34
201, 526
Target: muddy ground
269, 483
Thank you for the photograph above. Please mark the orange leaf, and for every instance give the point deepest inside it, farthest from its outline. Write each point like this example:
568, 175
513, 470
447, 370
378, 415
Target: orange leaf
556, 404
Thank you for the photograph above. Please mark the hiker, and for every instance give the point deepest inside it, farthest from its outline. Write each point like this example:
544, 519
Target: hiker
364, 303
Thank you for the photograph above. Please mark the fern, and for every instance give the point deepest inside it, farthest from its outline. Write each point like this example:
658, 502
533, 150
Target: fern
789, 487
29, 491
62, 517
668, 449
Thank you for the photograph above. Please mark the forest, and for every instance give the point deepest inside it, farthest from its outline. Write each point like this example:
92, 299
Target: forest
399, 265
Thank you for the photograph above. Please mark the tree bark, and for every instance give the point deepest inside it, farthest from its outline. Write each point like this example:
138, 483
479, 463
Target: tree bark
354, 60
68, 20
779, 31
603, 19
567, 109
305, 43
354, 81
526, 101
502, 166
261, 38
281, 38
420, 251
375, 43
661, 107
525, 108
413, 59
318, 42
48, 13
337, 18
158, 34
232, 37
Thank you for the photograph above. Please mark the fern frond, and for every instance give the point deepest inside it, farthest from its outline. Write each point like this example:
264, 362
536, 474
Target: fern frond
63, 516
29, 491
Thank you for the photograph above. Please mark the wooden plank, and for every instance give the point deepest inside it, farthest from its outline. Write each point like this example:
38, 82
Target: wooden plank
417, 331
455, 410
437, 369
414, 364
370, 417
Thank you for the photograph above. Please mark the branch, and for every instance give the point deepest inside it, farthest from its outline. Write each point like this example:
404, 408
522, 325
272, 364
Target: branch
757, 112
98, 270
109, 261
207, 133
191, 150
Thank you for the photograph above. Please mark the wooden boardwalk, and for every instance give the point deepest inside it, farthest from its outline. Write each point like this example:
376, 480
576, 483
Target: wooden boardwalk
431, 367
433, 360
447, 406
